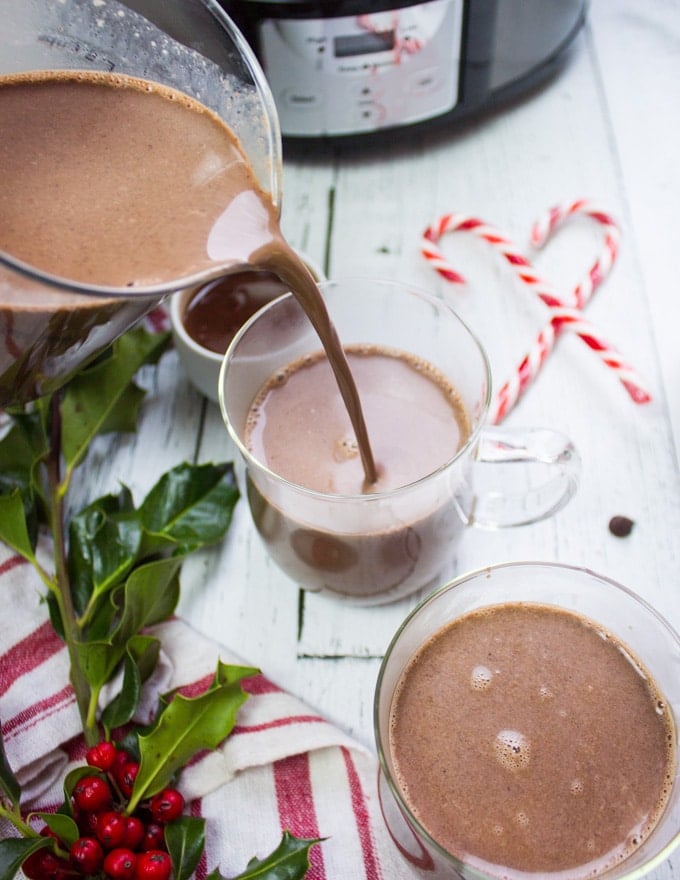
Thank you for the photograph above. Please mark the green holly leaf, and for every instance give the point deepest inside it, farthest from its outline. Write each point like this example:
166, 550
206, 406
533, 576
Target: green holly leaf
185, 839
188, 726
289, 861
13, 525
190, 506
63, 826
139, 662
22, 450
95, 397
103, 547
123, 416
15, 850
150, 596
9, 784
25, 443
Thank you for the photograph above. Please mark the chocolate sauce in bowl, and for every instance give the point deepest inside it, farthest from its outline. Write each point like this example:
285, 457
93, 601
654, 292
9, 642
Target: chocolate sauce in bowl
216, 311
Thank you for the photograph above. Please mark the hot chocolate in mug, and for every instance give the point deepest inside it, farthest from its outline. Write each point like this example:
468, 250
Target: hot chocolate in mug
525, 720
425, 387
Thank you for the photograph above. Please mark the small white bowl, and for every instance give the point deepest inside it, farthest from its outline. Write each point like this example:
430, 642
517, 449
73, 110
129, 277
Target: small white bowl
202, 365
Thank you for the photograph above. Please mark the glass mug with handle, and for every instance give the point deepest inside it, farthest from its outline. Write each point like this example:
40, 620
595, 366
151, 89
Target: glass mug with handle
558, 747
376, 546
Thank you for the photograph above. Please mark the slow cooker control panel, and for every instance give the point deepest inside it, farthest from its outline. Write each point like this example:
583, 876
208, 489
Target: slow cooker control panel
355, 74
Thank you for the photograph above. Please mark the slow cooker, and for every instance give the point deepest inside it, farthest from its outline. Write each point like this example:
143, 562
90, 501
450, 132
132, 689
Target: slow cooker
345, 68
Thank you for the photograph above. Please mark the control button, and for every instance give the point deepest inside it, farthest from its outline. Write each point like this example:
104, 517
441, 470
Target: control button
422, 82
370, 115
367, 91
300, 99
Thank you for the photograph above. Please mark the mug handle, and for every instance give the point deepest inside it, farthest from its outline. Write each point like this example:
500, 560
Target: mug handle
544, 466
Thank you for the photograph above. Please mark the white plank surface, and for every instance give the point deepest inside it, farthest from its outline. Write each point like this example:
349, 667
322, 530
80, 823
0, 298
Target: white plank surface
606, 128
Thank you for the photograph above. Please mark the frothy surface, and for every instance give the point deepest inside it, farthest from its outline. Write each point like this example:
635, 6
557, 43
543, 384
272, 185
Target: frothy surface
525, 740
298, 425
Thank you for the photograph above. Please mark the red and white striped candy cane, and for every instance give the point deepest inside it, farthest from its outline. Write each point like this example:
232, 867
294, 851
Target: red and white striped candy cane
562, 315
545, 227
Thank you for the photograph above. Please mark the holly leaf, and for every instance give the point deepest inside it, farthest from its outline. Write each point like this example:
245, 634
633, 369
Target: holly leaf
95, 397
15, 850
190, 506
123, 416
185, 839
103, 547
188, 726
25, 443
8, 781
289, 861
13, 526
63, 826
139, 662
150, 596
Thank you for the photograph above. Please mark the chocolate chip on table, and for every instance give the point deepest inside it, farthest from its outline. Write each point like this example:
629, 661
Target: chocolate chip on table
621, 526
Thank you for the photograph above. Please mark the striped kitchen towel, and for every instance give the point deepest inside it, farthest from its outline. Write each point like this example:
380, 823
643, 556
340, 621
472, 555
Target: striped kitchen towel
283, 768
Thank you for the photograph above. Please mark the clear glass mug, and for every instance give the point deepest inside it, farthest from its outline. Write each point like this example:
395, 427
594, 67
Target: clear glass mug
375, 548
49, 327
625, 615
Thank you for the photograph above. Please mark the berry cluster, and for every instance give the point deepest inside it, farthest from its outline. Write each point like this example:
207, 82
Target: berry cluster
112, 844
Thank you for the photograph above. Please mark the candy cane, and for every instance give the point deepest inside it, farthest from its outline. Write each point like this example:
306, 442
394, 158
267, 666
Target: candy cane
544, 228
562, 315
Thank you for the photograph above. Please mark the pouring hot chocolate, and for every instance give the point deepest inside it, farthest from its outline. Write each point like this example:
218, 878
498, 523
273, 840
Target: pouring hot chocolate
103, 184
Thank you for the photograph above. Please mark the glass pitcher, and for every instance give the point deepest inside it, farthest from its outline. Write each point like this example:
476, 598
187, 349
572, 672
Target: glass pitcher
51, 325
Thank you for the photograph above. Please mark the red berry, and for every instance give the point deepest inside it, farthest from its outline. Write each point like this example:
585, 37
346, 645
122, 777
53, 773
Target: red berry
167, 805
154, 837
120, 864
101, 755
87, 855
134, 832
111, 829
92, 793
127, 776
46, 831
44, 865
87, 822
153, 865
122, 757
32, 865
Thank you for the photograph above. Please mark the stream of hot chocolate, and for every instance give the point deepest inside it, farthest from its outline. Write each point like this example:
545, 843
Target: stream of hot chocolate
284, 262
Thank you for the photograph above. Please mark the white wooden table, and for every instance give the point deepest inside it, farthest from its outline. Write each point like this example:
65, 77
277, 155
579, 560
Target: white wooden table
606, 128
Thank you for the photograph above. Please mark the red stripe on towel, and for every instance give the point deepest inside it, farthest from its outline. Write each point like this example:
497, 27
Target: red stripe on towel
32, 715
12, 562
23, 657
295, 802
362, 818
278, 722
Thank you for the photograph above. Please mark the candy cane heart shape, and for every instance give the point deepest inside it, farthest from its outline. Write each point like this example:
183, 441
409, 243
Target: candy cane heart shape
562, 315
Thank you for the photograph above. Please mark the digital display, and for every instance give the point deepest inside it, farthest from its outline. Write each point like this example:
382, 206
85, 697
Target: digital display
363, 44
